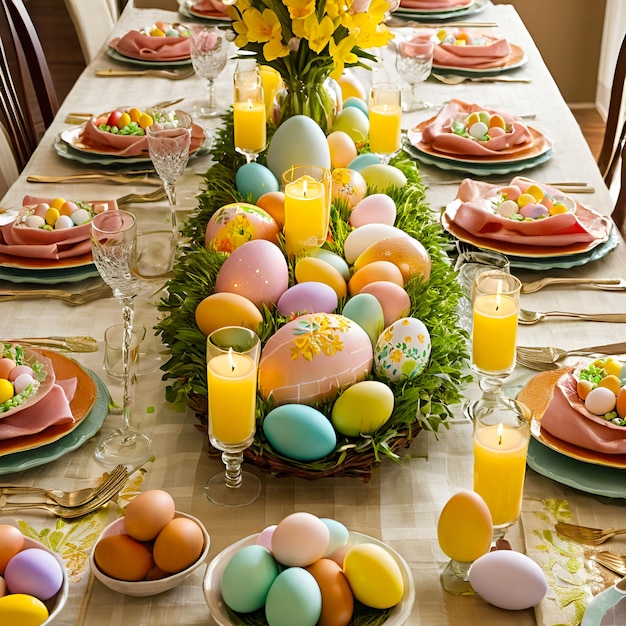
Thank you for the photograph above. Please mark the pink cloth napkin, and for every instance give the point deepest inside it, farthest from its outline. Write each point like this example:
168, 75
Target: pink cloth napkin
52, 410
19, 240
210, 7
136, 45
492, 54
439, 136
432, 5
474, 215
567, 419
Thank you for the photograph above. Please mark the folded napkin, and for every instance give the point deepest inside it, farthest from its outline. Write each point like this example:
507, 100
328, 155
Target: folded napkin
438, 135
19, 240
52, 410
567, 419
494, 53
136, 45
213, 8
433, 5
472, 211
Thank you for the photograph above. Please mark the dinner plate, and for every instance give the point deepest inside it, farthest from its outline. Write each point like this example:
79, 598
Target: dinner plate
186, 9
595, 479
45, 276
86, 429
212, 584
515, 60
608, 608
437, 14
118, 56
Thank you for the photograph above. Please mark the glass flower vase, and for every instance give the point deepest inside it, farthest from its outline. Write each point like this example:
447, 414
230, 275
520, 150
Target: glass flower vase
320, 100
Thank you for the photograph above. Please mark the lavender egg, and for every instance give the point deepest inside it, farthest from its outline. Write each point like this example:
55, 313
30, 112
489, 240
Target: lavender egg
308, 297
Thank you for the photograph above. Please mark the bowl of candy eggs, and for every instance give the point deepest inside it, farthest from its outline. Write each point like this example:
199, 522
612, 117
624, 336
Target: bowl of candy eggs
152, 549
33, 580
311, 567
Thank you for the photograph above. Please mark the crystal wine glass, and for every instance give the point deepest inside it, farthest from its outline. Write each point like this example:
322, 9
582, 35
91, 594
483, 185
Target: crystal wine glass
414, 62
385, 115
113, 235
209, 55
233, 354
169, 140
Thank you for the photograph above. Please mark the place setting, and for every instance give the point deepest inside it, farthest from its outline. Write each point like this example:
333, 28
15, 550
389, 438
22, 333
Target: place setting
435, 10
208, 10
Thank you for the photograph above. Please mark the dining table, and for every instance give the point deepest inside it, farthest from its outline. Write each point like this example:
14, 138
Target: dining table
401, 502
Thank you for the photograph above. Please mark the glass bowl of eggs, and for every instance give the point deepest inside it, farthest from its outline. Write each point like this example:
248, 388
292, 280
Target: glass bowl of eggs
139, 567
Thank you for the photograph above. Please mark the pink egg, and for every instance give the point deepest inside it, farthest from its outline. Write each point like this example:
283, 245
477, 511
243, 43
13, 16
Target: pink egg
394, 299
265, 537
41, 209
342, 149
496, 131
512, 192
534, 211
378, 208
22, 382
299, 539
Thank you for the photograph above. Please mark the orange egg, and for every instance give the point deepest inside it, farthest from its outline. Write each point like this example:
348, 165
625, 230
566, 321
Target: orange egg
620, 405
497, 121
583, 387
372, 272
178, 545
611, 382
342, 149
6, 365
274, 203
11, 542
122, 557
148, 513
68, 208
472, 119
226, 309
337, 598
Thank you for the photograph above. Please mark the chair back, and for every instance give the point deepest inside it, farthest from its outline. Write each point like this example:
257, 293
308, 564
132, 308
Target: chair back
619, 211
615, 131
8, 166
28, 99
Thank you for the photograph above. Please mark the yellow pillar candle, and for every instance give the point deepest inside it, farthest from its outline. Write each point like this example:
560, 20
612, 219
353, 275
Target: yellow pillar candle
249, 123
499, 469
231, 381
494, 332
385, 128
305, 214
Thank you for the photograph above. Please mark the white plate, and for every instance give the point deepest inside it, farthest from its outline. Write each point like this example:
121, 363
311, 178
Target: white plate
213, 578
475, 7
186, 10
118, 56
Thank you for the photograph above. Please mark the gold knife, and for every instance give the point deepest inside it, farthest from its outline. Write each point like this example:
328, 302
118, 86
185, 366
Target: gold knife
119, 179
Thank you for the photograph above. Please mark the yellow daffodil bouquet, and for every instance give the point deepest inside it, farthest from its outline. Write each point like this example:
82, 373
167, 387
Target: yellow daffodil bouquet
308, 42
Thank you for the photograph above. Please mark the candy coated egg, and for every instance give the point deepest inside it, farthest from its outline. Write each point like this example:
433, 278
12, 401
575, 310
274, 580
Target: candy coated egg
534, 211
348, 186
22, 382
18, 370
332, 258
361, 238
359, 103
373, 272
511, 192
337, 598
35, 572
6, 390
535, 191
235, 224
402, 350
313, 269
63, 222
367, 312
80, 216
6, 367
307, 297
148, 513
620, 404
468, 511
408, 254
300, 539
35, 221
294, 592
22, 609
338, 535
378, 208
525, 199
41, 209
122, 557
354, 123
11, 542
381, 177
310, 358
374, 576
394, 300
273, 202
351, 87
363, 160
68, 208
496, 131
508, 579
3, 587
247, 578
299, 432
342, 149
254, 179
265, 537
611, 382
256, 270
178, 545
226, 309
310, 148
600, 401
508, 208
362, 408
478, 130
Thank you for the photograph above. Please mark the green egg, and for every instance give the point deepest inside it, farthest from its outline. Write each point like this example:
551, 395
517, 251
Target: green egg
362, 408
367, 312
381, 177
333, 259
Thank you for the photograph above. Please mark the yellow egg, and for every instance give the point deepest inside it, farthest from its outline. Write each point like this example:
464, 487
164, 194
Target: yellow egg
362, 408
556, 209
472, 118
374, 575
465, 528
124, 120
226, 309
6, 390
52, 215
525, 199
611, 382
157, 32
22, 609
536, 192
351, 87
342, 149
57, 203
314, 269
145, 120
583, 387
611, 366
373, 272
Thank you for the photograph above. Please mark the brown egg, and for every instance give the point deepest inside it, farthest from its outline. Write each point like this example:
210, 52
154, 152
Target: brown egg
337, 598
148, 513
178, 545
122, 557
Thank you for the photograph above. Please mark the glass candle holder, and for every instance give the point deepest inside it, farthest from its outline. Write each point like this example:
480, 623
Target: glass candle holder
385, 115
249, 115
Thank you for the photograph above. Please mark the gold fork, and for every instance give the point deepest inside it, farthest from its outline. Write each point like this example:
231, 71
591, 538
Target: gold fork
585, 534
171, 74
77, 343
72, 298
615, 562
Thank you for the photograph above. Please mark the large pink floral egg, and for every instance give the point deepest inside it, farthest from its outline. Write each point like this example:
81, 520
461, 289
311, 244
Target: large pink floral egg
257, 270
310, 358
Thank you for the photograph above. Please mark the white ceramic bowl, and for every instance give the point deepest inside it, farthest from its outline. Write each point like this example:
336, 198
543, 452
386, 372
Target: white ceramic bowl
143, 588
212, 585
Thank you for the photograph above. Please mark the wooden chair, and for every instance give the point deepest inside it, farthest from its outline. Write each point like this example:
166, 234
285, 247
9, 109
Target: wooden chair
615, 132
28, 99
619, 212
8, 166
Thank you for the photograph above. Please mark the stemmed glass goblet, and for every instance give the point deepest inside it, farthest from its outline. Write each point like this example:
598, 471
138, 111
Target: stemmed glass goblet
169, 141
414, 62
113, 235
209, 55
233, 354
385, 115
249, 114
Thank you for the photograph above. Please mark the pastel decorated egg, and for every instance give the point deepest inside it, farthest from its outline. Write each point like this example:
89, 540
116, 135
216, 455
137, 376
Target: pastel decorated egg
362, 408
273, 202
348, 185
235, 224
378, 208
299, 432
226, 309
254, 179
402, 350
310, 148
381, 177
361, 238
310, 358
394, 300
307, 297
313, 269
257, 270
366, 310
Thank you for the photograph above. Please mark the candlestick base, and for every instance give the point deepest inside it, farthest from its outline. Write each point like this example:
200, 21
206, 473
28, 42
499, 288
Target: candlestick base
455, 579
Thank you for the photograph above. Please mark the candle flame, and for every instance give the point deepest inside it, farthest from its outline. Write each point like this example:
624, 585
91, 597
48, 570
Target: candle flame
500, 429
232, 361
498, 294
304, 187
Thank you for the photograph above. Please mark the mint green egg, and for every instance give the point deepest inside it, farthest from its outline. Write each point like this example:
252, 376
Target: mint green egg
359, 103
367, 312
360, 162
353, 122
334, 260
382, 177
